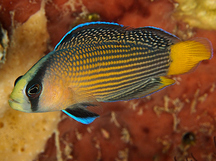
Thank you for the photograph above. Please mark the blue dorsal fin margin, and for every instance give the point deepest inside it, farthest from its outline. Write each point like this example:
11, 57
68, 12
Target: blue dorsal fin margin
160, 29
85, 24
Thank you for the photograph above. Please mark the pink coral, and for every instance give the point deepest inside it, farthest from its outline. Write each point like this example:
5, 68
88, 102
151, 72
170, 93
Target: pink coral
175, 123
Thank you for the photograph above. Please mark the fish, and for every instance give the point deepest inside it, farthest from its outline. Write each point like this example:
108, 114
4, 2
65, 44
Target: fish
105, 62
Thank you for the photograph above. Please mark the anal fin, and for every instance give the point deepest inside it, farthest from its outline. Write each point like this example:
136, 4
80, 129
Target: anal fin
142, 89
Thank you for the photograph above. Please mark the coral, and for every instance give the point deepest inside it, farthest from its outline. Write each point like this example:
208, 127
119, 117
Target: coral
4, 40
197, 13
176, 123
23, 135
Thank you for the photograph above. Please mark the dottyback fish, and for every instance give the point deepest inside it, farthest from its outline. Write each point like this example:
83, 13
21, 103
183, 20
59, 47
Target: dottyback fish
105, 62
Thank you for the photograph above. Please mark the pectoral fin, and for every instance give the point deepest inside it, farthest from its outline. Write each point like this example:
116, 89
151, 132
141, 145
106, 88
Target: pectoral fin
80, 113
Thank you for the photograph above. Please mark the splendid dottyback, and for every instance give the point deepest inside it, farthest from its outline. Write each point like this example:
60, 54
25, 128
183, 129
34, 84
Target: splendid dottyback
105, 62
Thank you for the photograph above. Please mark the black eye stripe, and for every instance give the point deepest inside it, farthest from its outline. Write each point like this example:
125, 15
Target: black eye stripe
37, 79
33, 92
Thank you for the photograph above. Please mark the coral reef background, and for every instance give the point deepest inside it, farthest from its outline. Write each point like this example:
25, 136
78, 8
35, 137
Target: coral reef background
176, 123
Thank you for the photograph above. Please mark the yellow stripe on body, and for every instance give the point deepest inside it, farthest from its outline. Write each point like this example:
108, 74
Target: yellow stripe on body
125, 80
86, 70
90, 74
95, 73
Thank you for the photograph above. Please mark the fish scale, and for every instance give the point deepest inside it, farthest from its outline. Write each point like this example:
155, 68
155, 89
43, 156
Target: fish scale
120, 66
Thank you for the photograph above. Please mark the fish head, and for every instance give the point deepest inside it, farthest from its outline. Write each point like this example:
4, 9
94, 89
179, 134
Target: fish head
19, 98
41, 90
27, 91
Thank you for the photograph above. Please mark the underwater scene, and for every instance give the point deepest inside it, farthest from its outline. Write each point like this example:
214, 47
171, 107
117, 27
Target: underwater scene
107, 80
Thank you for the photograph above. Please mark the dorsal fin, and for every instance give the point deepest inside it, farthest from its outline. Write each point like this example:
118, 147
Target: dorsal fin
108, 32
73, 35
161, 32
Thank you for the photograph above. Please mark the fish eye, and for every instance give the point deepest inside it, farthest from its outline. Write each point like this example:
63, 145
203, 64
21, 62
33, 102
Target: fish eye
35, 90
17, 80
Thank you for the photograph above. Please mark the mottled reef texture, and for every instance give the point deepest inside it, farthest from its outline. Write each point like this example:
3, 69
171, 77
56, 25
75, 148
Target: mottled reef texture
177, 123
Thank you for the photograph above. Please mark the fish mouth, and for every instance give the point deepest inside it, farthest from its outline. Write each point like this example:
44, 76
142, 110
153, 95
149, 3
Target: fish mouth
12, 100
16, 105
19, 104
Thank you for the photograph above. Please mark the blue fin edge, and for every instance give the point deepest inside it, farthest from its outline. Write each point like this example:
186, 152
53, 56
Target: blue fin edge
87, 120
152, 27
86, 24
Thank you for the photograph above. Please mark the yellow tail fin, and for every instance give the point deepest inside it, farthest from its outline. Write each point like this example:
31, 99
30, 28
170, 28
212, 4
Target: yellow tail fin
185, 55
